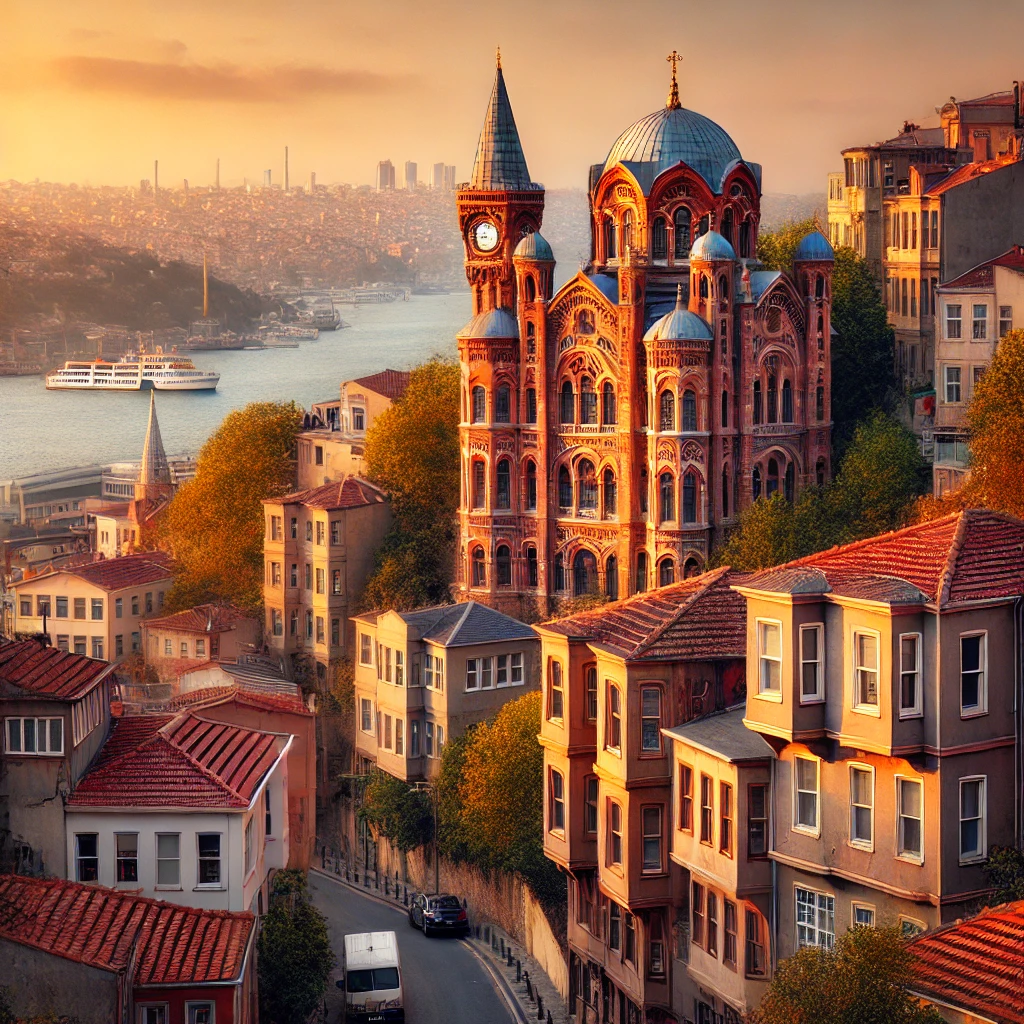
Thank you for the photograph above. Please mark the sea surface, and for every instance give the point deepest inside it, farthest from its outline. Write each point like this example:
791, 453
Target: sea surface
42, 430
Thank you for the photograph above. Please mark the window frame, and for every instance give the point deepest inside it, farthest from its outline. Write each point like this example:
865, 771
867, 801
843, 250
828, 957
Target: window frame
141, 1009
818, 697
917, 709
796, 825
613, 727
614, 844
981, 855
685, 797
726, 819
591, 692
948, 384
730, 936
856, 842
200, 860
900, 781
751, 820
856, 905
875, 710
47, 731
159, 860
818, 895
195, 1004
556, 692
590, 806
981, 708
649, 752
556, 802
79, 857
707, 806
762, 692
659, 836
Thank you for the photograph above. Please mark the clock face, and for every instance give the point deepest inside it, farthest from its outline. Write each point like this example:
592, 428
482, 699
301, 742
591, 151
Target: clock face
485, 235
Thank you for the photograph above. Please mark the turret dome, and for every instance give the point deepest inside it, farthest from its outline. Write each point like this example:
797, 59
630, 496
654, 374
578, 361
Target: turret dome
534, 246
712, 246
815, 246
680, 325
497, 323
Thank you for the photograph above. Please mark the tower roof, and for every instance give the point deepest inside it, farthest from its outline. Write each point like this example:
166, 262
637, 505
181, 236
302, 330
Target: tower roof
815, 246
500, 162
680, 325
533, 246
155, 469
712, 246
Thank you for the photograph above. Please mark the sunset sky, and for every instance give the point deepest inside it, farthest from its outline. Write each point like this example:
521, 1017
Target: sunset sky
93, 91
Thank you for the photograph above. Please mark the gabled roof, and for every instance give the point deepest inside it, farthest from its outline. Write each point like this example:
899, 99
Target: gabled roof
108, 930
976, 965
461, 625
724, 735
29, 667
203, 618
972, 555
352, 492
243, 696
389, 383
118, 573
177, 761
697, 619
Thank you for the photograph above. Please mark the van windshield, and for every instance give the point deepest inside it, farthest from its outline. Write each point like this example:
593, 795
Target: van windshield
378, 980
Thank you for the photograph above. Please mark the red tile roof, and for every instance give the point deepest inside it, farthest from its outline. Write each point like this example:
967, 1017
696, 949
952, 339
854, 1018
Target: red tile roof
177, 761
389, 383
982, 276
203, 618
966, 173
699, 618
47, 672
241, 695
107, 929
976, 965
119, 573
352, 492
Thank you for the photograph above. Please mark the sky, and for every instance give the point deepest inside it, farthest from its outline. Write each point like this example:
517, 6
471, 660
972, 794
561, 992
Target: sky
91, 92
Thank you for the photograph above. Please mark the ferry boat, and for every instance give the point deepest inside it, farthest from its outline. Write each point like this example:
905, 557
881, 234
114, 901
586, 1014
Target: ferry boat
133, 372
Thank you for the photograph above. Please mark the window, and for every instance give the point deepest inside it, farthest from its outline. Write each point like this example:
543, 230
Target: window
366, 715
309, 529
588, 401
566, 405
757, 961
815, 918
953, 388
127, 856
609, 411
863, 915
910, 812
479, 484
531, 405
972, 819
556, 698
119, 646
152, 1013
209, 858
757, 402
707, 809
35, 735
973, 655
614, 833
590, 677
399, 668
335, 532
614, 735
87, 860
614, 926
910, 675
953, 320
321, 533
590, 805
656, 945
641, 572
725, 819
321, 586
666, 490
650, 719
320, 629
387, 732
659, 239
168, 859
769, 644
532, 575
79, 604
479, 405
979, 322
399, 737
805, 776
199, 1013
667, 411
96, 609
25, 607
712, 923
365, 649
479, 568
414, 738
757, 820
651, 818
811, 675
729, 948
556, 807
1005, 320
428, 670
587, 484
685, 798
690, 497
250, 847
503, 564
564, 488
909, 927
681, 224
80, 644
294, 528
865, 670
666, 572
531, 486
63, 642
358, 418
610, 495
502, 405
697, 907
862, 806
689, 410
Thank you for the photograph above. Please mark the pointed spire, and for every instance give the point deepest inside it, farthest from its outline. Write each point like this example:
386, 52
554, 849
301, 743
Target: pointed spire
500, 163
673, 93
679, 298
154, 469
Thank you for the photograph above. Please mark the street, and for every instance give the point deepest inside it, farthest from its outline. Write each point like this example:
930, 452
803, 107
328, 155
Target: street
443, 980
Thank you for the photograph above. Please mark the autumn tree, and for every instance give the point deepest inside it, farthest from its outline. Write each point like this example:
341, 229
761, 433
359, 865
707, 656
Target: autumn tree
398, 812
412, 453
214, 524
775, 249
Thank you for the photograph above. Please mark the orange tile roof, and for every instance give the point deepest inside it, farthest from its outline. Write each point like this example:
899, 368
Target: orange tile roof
47, 672
119, 573
976, 965
107, 929
241, 695
352, 492
966, 173
177, 761
203, 618
389, 383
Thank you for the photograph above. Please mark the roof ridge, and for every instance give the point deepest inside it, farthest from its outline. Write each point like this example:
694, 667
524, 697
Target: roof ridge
946, 576
461, 622
660, 631
209, 772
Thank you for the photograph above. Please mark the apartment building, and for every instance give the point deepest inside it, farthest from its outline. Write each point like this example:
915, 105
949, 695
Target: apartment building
976, 310
196, 636
94, 609
424, 677
318, 552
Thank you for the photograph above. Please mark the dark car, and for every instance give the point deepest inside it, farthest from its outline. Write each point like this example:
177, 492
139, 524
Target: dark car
441, 914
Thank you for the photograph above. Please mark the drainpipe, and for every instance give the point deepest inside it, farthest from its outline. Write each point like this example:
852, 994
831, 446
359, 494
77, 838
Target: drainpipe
774, 907
938, 745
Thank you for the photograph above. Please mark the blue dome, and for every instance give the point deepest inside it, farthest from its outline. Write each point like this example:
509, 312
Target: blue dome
815, 246
498, 323
670, 135
534, 246
680, 325
712, 246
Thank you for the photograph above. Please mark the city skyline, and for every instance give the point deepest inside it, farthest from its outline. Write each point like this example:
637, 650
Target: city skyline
195, 90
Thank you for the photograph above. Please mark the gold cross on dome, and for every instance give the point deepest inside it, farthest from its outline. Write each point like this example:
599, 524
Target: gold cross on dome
673, 94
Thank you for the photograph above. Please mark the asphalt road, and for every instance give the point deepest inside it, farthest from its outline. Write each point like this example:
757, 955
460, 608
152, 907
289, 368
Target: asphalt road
444, 982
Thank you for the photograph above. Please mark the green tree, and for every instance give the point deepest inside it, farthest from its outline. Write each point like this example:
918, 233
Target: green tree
399, 813
775, 249
452, 839
214, 524
863, 979
1004, 872
412, 453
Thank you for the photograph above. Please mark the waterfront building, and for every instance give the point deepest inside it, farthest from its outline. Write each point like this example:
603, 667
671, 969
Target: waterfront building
611, 433
385, 176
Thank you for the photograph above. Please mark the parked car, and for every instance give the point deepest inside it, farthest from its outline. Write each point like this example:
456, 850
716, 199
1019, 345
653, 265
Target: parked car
442, 913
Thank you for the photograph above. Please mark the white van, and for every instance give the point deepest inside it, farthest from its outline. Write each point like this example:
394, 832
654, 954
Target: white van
373, 978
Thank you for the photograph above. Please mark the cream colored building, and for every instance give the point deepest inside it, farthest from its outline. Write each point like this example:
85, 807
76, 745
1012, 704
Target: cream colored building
95, 609
424, 677
318, 552
196, 636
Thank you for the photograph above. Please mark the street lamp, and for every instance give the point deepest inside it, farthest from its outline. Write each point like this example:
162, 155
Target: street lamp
431, 787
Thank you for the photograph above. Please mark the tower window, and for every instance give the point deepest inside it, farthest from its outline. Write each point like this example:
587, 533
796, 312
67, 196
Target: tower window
611, 580
478, 484
773, 477
666, 489
659, 239
666, 572
609, 239
689, 410
757, 401
755, 483
566, 410
531, 486
610, 495
627, 230
789, 486
727, 225
531, 567
588, 401
587, 484
479, 575
609, 413
564, 488
725, 492
725, 408
667, 411
559, 573
502, 405
681, 225
504, 496
530, 288
819, 403
787, 402
773, 400
690, 497
531, 338
479, 404
531, 405
641, 571
503, 565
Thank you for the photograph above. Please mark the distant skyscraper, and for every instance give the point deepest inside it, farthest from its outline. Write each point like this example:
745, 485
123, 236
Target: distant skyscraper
217, 179
312, 181
449, 177
410, 173
266, 178
156, 176
385, 176
286, 168
437, 176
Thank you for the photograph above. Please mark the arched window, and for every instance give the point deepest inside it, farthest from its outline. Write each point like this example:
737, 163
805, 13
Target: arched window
611, 507
725, 408
705, 225
531, 405
745, 239
705, 288
690, 497
531, 486
757, 401
789, 487
728, 221
566, 407
641, 571
819, 472
666, 491
584, 573
819, 402
773, 477
819, 287
821, 325
644, 492
588, 401
585, 322
691, 567
503, 566
666, 572
681, 223
689, 410
564, 488
627, 231
559, 573
756, 483
479, 575
725, 492
532, 577
609, 410
609, 239
502, 405
530, 288
504, 496
611, 578
667, 411
587, 484
659, 239
479, 484
787, 402
773, 399
479, 405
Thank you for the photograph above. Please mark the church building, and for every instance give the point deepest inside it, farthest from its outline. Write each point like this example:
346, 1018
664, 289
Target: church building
611, 432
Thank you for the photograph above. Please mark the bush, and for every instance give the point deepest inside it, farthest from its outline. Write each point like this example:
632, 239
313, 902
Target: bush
396, 811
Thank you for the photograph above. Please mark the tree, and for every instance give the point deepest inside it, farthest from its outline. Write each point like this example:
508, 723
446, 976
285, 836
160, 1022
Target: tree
214, 524
412, 453
775, 249
399, 813
1004, 872
863, 979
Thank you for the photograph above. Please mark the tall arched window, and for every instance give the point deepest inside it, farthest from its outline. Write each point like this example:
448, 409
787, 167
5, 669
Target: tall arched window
641, 571
530, 288
666, 572
704, 288
819, 287
479, 574
787, 402
588, 401
564, 488
821, 325
585, 322
667, 411
587, 484
609, 239
666, 493
819, 472
479, 484
584, 573
725, 492
503, 566
531, 338
502, 405
690, 497
689, 410
532, 576
727, 226
559, 573
609, 411
531, 405
789, 488
659, 239
504, 495
479, 404
773, 477
757, 401
681, 224
691, 567
773, 399
819, 402
611, 578
566, 407
755, 483
745, 249
627, 230
531, 486
725, 408
644, 491
723, 288
611, 507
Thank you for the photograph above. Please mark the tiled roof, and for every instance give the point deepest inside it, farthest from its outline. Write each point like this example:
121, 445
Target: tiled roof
698, 618
119, 573
976, 965
983, 276
107, 929
177, 761
260, 700
47, 672
389, 383
969, 556
966, 173
460, 625
203, 618
500, 162
352, 492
